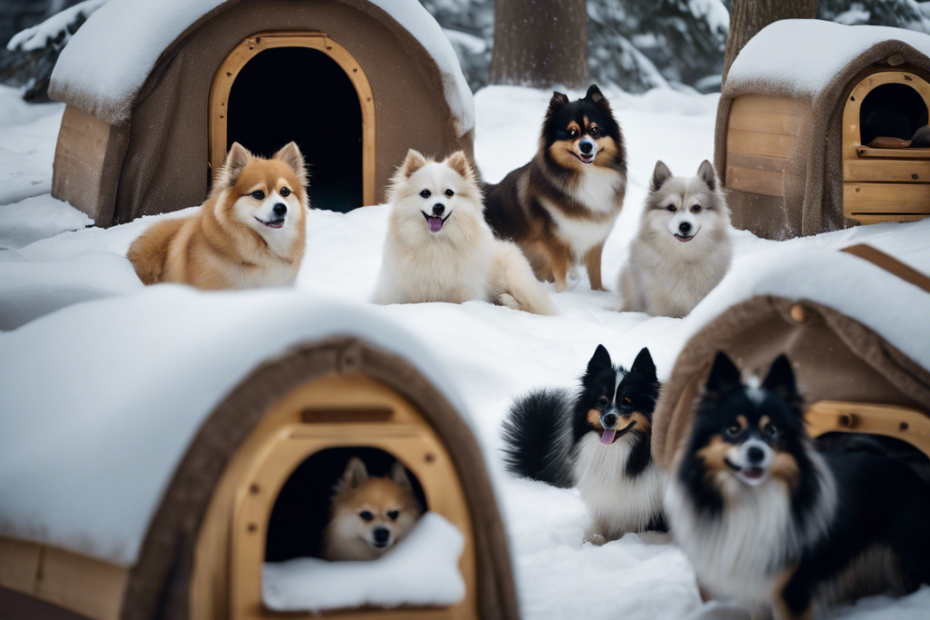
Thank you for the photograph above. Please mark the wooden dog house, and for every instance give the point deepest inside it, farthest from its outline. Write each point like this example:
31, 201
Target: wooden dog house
857, 371
799, 111
184, 537
156, 94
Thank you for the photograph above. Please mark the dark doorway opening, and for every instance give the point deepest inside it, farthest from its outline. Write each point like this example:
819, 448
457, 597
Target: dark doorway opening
301, 94
891, 111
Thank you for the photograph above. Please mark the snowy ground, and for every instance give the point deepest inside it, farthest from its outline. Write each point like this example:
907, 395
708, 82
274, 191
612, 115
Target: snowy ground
494, 353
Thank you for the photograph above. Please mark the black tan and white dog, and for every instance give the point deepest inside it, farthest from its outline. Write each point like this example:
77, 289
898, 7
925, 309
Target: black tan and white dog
560, 207
598, 440
772, 522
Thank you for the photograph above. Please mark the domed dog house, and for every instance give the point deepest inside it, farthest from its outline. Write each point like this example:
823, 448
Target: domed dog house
801, 110
157, 93
157, 492
861, 362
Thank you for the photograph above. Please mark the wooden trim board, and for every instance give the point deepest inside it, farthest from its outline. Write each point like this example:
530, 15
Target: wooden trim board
891, 421
875, 198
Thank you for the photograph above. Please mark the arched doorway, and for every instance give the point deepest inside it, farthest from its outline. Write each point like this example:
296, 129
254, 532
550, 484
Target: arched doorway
278, 87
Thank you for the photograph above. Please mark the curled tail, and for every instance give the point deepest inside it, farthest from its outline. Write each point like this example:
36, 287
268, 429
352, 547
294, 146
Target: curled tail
149, 253
514, 280
537, 435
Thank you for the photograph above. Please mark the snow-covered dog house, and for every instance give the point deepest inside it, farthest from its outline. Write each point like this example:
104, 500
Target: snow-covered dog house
148, 495
801, 105
862, 362
157, 92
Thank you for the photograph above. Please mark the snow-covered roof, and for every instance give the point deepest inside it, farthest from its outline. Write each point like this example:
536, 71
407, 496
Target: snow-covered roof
800, 57
92, 432
897, 311
109, 58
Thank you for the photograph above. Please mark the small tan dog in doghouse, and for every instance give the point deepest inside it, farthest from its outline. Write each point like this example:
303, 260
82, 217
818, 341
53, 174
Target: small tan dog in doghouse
369, 514
249, 233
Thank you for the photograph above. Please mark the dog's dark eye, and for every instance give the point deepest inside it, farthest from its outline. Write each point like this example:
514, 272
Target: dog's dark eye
285, 192
696, 209
573, 132
603, 401
258, 195
594, 130
393, 515
367, 516
770, 430
734, 429
426, 193
449, 193
671, 208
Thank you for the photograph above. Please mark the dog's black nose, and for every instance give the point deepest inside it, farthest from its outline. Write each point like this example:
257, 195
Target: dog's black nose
610, 420
585, 147
755, 454
280, 209
438, 209
381, 534
684, 228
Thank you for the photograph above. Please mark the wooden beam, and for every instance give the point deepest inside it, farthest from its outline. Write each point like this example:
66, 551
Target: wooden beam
878, 198
756, 181
886, 170
755, 143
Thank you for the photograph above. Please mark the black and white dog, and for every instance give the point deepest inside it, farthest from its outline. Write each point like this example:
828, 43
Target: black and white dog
771, 521
598, 439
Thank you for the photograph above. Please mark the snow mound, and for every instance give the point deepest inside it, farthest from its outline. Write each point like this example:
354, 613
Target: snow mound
423, 570
894, 309
100, 400
109, 58
801, 56
35, 218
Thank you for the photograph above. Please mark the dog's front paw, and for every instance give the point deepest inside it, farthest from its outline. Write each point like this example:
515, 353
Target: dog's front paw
595, 539
505, 299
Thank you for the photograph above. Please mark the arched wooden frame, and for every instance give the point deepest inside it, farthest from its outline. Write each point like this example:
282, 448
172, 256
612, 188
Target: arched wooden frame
259, 42
852, 138
331, 412
900, 423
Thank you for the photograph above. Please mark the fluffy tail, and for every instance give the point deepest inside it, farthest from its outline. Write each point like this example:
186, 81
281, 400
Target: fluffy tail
149, 253
514, 281
538, 438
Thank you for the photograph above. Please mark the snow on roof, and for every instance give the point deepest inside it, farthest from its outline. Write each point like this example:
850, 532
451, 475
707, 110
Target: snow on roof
57, 25
92, 432
801, 56
109, 58
897, 311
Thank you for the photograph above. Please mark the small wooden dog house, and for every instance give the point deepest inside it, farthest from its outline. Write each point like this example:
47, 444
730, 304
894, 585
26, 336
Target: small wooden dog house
157, 93
800, 111
149, 495
862, 362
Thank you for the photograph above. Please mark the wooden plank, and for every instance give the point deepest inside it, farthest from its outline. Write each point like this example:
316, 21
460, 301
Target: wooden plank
901, 423
875, 198
872, 218
754, 143
868, 152
81, 584
765, 122
886, 170
80, 157
757, 162
763, 182
769, 105
19, 564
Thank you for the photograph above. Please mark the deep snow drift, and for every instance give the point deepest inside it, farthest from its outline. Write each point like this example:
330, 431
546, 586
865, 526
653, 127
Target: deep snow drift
492, 353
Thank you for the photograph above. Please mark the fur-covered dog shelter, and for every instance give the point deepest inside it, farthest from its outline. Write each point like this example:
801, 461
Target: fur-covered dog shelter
800, 108
158, 92
156, 493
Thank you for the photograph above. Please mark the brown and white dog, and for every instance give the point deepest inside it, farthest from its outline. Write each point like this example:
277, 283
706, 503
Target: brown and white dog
249, 233
561, 206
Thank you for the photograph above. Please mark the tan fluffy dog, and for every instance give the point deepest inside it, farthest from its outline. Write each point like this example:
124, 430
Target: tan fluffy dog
249, 233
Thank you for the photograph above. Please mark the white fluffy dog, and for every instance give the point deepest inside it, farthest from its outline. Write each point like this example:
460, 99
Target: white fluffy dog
682, 249
439, 248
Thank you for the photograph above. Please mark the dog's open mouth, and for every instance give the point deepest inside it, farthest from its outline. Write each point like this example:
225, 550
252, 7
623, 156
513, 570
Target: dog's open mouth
613, 434
684, 239
584, 158
750, 475
435, 223
278, 223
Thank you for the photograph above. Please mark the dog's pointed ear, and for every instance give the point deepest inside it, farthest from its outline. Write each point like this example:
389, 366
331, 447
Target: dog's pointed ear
600, 360
356, 474
707, 174
399, 476
660, 175
413, 162
558, 100
780, 379
290, 154
595, 96
724, 377
644, 366
458, 161
237, 159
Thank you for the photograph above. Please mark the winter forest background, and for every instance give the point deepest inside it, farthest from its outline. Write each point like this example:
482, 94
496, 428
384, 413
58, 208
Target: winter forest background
635, 45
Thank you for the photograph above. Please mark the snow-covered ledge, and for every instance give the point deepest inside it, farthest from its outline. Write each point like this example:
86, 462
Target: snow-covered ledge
422, 571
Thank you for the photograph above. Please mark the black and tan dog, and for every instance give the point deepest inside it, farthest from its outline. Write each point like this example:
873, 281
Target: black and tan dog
561, 206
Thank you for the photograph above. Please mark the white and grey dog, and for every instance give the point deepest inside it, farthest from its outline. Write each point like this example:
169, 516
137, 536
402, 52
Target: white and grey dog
682, 249
439, 248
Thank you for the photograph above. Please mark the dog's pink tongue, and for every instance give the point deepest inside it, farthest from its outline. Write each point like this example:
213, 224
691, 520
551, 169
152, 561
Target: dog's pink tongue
435, 223
608, 437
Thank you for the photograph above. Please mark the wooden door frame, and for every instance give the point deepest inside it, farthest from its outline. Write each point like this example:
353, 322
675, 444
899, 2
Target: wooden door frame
255, 44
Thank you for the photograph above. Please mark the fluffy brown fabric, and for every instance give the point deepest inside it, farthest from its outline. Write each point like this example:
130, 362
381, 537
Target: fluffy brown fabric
813, 201
158, 587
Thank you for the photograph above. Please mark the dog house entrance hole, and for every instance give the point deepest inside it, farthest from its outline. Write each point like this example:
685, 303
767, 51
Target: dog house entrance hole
891, 111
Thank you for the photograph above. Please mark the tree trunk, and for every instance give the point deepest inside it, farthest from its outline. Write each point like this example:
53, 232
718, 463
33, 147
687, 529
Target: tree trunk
540, 43
748, 17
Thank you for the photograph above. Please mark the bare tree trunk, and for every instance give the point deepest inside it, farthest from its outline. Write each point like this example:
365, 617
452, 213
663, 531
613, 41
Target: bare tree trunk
748, 17
540, 43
